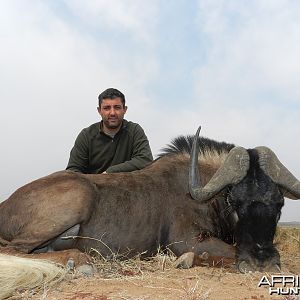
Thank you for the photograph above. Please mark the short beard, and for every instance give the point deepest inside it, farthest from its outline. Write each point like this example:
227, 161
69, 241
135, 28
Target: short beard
109, 126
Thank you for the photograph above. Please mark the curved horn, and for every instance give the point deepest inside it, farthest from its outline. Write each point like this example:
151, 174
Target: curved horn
233, 170
272, 167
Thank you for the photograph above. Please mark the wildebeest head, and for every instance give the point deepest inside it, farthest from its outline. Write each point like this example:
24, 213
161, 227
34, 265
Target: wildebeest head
257, 183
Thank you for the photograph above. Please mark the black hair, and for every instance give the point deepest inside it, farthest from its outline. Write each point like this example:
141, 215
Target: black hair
183, 144
111, 93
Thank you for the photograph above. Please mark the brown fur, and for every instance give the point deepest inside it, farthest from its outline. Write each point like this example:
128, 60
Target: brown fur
125, 213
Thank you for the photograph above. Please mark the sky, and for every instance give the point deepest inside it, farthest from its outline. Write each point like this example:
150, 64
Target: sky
232, 67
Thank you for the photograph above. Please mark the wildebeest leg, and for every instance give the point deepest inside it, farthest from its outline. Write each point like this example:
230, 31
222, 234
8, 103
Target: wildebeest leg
212, 252
215, 247
36, 214
61, 257
60, 243
190, 259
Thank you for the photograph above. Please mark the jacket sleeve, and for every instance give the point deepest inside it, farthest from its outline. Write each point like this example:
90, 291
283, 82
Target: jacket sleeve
141, 155
79, 156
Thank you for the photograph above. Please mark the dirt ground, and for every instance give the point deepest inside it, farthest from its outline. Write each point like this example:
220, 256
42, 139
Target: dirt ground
158, 279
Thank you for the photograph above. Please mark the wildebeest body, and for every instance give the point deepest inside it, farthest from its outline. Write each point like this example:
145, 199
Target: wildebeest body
125, 213
141, 211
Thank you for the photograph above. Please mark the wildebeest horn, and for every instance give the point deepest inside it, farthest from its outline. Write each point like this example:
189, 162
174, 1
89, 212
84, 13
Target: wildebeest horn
272, 166
233, 170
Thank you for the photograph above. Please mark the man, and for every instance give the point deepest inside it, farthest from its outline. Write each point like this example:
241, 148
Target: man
112, 145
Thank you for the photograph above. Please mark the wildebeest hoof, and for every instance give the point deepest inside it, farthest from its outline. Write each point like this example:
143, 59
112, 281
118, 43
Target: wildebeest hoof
185, 261
86, 270
245, 267
204, 256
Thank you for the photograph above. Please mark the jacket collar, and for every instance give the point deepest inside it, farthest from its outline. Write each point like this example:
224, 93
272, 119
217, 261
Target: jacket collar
124, 125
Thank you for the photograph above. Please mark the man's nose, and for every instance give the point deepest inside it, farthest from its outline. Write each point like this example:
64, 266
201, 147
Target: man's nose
112, 111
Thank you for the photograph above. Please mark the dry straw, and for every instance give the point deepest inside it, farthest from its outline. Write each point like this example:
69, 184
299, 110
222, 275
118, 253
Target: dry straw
119, 266
18, 274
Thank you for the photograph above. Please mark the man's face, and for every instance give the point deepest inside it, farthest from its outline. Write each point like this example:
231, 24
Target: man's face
112, 113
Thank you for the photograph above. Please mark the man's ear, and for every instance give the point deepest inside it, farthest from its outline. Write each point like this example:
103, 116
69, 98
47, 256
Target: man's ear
125, 108
99, 109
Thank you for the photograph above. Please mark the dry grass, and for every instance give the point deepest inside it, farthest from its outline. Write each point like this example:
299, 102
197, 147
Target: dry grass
153, 272
287, 239
118, 266
194, 291
19, 274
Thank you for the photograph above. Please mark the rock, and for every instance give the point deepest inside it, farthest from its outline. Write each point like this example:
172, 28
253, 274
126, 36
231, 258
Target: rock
70, 265
86, 270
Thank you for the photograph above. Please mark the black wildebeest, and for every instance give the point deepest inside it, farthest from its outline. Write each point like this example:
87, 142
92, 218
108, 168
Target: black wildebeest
238, 199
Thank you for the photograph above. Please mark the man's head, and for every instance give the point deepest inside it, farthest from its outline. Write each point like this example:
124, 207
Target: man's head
112, 109
111, 93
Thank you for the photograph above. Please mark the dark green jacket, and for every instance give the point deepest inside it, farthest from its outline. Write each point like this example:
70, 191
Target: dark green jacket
96, 152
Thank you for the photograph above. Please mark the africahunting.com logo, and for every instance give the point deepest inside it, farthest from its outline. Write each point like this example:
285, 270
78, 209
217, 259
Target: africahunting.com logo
281, 284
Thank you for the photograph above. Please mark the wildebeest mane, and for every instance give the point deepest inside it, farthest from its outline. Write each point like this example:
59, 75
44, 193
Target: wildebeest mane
183, 144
